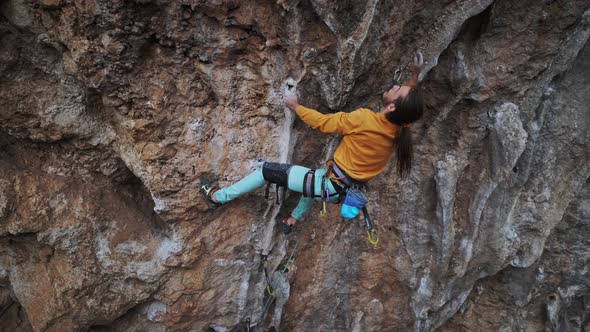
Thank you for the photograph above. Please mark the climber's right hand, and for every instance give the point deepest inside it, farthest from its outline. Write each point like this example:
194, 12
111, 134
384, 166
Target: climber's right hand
418, 64
417, 67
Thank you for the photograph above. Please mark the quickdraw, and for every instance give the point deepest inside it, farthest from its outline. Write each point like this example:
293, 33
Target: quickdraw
398, 73
269, 290
371, 232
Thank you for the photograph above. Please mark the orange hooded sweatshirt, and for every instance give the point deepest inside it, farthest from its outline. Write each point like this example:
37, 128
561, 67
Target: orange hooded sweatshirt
367, 144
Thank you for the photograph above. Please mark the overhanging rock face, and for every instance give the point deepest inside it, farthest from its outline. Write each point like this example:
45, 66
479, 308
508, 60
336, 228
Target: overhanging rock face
111, 111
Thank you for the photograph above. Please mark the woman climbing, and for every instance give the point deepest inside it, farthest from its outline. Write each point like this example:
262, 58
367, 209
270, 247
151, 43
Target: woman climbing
369, 140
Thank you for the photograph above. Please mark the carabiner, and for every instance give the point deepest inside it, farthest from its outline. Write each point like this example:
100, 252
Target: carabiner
397, 75
372, 237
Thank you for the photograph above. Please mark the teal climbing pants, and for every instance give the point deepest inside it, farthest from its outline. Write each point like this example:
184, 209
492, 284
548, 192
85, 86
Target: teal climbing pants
295, 175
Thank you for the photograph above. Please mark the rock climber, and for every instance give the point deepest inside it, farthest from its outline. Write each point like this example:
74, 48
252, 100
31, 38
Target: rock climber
369, 140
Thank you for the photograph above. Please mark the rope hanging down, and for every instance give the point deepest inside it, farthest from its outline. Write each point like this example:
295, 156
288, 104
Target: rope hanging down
270, 287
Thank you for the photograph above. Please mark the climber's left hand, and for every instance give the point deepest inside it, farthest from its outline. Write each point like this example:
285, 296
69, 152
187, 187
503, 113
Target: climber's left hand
291, 101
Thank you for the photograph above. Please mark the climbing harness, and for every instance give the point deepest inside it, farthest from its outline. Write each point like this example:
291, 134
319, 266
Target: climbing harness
335, 173
309, 184
309, 190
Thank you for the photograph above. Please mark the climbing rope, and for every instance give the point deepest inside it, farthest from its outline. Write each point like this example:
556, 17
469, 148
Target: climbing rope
270, 288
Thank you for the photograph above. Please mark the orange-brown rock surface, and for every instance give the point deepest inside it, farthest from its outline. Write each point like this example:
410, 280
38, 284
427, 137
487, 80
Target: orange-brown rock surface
111, 111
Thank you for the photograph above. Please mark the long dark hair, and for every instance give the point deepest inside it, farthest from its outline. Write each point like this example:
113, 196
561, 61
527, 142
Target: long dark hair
408, 109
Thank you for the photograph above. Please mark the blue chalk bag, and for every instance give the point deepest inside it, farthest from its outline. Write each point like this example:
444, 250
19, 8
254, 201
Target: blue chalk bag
353, 203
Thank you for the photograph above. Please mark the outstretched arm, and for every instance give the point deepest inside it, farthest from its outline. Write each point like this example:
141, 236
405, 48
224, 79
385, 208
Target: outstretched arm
335, 123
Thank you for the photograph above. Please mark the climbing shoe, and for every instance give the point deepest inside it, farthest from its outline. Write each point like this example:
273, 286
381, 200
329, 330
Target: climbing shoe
283, 226
208, 190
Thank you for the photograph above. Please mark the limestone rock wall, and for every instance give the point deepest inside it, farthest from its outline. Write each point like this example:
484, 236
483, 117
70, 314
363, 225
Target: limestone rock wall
111, 111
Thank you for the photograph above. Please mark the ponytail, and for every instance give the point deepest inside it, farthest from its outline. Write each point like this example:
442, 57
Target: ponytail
407, 110
403, 144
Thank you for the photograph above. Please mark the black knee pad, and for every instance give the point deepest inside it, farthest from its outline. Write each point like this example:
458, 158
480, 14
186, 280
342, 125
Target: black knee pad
276, 173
